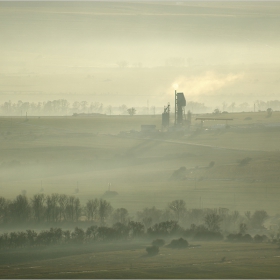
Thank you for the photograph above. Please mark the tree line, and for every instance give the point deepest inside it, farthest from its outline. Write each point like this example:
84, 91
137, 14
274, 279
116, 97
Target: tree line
128, 231
52, 208
116, 224
59, 208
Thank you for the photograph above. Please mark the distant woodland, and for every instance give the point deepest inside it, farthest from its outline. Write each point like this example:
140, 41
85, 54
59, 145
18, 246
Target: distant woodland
62, 107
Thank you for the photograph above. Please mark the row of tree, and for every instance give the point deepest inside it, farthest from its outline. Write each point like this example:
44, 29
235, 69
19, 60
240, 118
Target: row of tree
126, 231
63, 107
221, 218
52, 208
79, 235
58, 208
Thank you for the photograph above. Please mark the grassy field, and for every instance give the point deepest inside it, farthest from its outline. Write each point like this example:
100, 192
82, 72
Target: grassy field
210, 260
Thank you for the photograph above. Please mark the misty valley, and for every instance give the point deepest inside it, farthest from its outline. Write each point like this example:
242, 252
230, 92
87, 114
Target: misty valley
97, 196
106, 173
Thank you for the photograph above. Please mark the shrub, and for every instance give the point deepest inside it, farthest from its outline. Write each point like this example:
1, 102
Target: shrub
202, 233
238, 237
258, 218
258, 238
178, 243
247, 238
164, 229
158, 242
244, 161
152, 250
179, 174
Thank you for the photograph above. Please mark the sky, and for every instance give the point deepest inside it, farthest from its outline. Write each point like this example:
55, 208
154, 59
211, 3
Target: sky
138, 52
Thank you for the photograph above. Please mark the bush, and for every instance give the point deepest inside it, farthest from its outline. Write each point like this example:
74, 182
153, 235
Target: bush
158, 242
152, 250
164, 229
247, 238
202, 233
258, 218
179, 174
178, 243
238, 237
260, 238
245, 161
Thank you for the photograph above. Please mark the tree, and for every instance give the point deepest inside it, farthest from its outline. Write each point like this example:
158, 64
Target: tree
136, 229
105, 209
78, 235
70, 209
106, 233
269, 112
20, 209
62, 202
123, 109
52, 210
91, 232
77, 209
38, 207
31, 237
109, 109
122, 230
216, 111
149, 216
4, 207
91, 209
179, 207
258, 218
212, 221
131, 111
164, 228
120, 215
242, 228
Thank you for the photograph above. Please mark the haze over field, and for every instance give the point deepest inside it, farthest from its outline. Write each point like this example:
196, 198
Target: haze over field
97, 182
131, 52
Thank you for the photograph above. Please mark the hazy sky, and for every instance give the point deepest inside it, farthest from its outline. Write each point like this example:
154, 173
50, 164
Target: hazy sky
131, 52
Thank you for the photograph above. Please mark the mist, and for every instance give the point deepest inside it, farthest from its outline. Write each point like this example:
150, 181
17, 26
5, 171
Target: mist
139, 139
118, 52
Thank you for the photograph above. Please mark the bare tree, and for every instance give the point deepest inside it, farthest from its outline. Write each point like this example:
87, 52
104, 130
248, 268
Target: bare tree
62, 202
91, 209
52, 210
4, 205
38, 207
20, 209
212, 221
242, 228
77, 209
105, 209
123, 109
120, 215
179, 207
